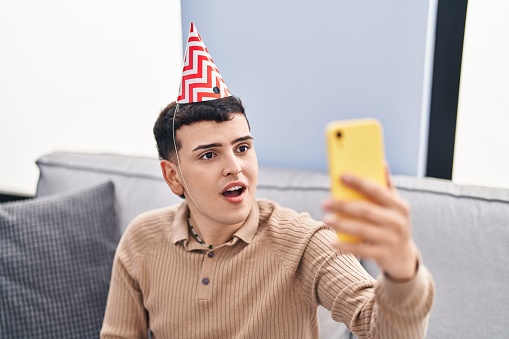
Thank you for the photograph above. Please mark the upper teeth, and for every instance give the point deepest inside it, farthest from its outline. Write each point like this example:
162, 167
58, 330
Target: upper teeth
234, 188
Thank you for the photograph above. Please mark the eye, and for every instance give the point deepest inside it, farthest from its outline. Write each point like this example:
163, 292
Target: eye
243, 148
207, 156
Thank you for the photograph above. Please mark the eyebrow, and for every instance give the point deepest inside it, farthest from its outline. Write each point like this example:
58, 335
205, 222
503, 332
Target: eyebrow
217, 144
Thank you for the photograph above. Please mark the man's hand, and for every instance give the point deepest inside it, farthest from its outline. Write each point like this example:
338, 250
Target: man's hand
383, 222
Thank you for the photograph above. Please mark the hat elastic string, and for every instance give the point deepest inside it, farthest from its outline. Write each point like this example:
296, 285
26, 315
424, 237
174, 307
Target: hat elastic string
178, 160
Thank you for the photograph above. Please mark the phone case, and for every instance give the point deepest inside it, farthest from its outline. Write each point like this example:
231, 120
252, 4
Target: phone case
355, 147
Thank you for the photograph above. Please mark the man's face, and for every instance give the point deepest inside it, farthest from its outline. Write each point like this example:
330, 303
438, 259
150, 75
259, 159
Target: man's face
220, 169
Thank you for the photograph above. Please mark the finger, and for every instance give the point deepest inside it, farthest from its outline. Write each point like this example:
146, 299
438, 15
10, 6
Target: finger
375, 192
368, 188
373, 234
388, 178
366, 211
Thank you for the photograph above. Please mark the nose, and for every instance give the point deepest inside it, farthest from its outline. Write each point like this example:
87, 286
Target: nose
232, 165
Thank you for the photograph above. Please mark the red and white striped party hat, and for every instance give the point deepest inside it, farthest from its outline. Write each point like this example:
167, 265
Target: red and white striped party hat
201, 80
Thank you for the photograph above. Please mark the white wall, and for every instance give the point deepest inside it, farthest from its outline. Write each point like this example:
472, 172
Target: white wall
83, 76
91, 76
481, 154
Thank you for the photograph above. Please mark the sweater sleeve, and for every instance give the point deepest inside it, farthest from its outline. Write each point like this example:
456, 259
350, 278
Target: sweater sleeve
125, 315
370, 308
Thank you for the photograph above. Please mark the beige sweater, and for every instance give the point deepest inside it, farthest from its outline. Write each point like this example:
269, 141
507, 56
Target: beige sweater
265, 283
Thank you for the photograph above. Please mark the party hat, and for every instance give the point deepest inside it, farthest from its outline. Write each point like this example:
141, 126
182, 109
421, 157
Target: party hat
201, 80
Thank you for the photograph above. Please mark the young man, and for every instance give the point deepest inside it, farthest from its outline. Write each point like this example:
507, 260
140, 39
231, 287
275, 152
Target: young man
225, 265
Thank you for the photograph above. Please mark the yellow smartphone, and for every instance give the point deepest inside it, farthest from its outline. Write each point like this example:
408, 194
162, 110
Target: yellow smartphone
355, 147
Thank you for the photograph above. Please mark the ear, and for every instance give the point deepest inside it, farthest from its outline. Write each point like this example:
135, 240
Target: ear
170, 175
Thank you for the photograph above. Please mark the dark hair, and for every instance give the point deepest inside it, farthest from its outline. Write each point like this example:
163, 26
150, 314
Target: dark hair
219, 110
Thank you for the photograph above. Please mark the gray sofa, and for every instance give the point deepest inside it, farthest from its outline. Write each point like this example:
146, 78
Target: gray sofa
463, 232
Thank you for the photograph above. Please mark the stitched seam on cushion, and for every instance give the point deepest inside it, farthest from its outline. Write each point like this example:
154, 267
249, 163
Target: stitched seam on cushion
460, 196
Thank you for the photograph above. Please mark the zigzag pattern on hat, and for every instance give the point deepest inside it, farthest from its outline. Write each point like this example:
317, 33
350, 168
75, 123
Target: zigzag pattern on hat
201, 80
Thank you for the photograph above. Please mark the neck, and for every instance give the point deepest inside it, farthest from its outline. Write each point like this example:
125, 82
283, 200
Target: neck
212, 233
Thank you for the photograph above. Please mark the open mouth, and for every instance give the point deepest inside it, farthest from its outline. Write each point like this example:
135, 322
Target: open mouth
234, 191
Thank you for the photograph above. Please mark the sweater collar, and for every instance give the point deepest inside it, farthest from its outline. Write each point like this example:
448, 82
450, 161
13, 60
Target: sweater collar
181, 229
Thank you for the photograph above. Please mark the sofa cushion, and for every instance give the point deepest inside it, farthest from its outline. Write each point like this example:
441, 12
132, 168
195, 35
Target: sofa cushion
139, 184
56, 254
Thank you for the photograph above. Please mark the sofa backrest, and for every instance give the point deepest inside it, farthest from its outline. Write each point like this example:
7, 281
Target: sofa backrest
139, 185
462, 231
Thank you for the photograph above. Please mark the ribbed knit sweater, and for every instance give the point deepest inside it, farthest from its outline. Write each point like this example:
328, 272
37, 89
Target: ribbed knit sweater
265, 283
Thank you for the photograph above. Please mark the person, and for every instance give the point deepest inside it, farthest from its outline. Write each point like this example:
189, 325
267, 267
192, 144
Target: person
226, 264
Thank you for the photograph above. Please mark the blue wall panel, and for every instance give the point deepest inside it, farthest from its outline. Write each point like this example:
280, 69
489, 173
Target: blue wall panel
299, 64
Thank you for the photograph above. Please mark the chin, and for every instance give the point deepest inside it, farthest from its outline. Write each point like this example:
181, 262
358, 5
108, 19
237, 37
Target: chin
242, 211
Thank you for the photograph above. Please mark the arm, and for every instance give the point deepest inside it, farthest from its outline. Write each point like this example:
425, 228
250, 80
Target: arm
404, 293
125, 315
